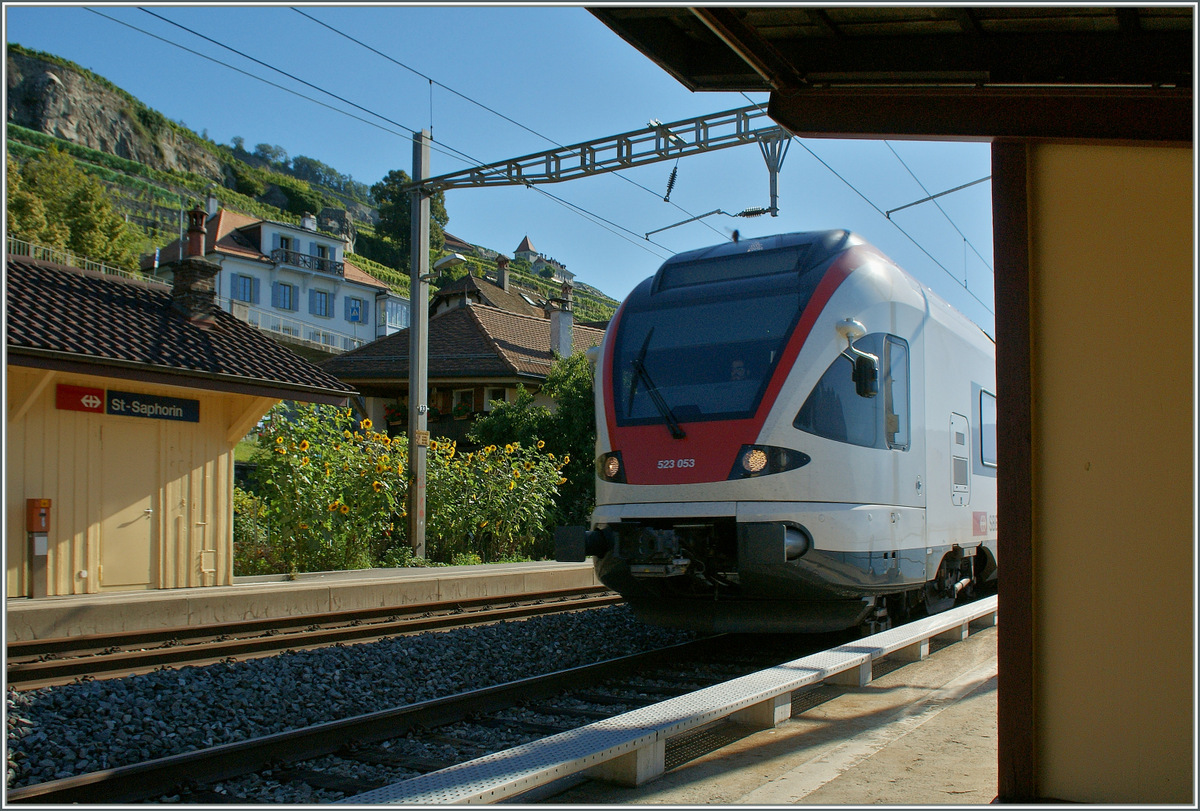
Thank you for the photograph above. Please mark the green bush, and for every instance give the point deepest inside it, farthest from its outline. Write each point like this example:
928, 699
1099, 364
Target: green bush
253, 552
334, 495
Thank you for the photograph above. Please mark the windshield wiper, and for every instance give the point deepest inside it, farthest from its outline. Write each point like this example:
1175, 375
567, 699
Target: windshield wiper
639, 372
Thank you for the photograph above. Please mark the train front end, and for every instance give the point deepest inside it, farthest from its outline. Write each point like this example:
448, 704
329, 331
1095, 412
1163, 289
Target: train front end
700, 518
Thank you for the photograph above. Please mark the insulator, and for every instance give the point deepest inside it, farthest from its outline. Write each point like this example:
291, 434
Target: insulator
755, 211
671, 184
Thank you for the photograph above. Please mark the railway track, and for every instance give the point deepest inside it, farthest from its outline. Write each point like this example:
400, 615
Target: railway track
49, 662
405, 741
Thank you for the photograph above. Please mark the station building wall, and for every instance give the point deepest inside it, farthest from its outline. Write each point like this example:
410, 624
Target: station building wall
1112, 269
138, 503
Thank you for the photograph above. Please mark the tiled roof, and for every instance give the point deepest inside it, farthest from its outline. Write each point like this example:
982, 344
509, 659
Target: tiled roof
525, 245
60, 317
488, 293
233, 234
457, 244
472, 341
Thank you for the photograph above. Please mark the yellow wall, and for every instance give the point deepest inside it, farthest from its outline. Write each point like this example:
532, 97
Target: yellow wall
103, 471
1112, 333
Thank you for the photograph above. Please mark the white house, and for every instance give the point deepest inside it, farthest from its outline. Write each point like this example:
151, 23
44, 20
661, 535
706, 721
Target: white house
293, 281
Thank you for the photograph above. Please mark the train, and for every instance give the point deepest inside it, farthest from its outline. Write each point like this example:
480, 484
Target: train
793, 436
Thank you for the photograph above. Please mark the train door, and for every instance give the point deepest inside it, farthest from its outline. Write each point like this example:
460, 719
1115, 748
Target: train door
960, 460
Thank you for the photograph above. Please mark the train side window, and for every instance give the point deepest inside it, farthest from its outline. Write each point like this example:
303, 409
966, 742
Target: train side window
987, 428
896, 401
835, 411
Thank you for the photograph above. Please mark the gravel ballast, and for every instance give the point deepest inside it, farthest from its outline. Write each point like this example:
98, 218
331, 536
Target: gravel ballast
58, 732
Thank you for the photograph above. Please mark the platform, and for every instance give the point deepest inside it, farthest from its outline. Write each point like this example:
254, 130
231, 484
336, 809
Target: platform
277, 596
922, 734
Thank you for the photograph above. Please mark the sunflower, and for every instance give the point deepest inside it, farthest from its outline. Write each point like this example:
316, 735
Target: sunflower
333, 506
344, 509
278, 440
512, 485
304, 444
378, 485
508, 449
347, 434
366, 424
303, 461
379, 467
541, 444
282, 450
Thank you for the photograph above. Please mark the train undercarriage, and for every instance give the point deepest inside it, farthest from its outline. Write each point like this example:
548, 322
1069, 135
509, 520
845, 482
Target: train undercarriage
719, 575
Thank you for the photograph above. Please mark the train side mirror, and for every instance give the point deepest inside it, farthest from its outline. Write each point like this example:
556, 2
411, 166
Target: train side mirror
866, 374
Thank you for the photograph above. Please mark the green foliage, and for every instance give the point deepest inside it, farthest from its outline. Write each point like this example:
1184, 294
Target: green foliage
397, 281
569, 431
395, 216
333, 493
321, 174
493, 502
302, 198
334, 489
57, 205
249, 180
253, 552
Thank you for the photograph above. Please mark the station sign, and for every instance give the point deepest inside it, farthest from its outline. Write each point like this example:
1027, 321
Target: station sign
150, 406
126, 403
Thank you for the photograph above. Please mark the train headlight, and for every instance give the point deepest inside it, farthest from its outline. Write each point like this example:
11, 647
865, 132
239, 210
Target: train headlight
754, 461
762, 460
610, 467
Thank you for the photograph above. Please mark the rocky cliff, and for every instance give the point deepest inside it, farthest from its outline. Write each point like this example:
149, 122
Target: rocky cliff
47, 97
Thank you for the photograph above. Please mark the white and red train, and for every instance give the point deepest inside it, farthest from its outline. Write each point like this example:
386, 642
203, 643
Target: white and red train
793, 435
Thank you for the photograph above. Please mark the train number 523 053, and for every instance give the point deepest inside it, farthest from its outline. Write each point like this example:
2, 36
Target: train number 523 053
668, 464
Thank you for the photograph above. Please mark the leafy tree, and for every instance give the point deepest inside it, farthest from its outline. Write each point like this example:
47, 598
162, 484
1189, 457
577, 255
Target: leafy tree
395, 216
53, 203
26, 215
272, 154
569, 431
239, 143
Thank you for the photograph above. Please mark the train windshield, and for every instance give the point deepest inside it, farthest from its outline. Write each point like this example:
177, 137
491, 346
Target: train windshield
705, 352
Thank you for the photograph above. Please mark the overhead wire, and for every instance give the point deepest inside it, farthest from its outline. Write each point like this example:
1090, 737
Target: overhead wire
483, 106
933, 199
880, 211
458, 154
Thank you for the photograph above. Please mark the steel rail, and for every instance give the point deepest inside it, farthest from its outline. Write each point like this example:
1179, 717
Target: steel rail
32, 674
38, 647
163, 776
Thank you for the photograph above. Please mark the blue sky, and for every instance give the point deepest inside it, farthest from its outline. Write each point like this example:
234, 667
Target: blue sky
558, 72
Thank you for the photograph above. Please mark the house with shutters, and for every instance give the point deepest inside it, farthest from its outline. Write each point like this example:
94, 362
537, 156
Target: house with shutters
292, 281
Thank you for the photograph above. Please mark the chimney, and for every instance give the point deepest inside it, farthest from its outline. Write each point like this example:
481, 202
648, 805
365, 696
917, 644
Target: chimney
562, 324
212, 204
308, 221
194, 286
502, 272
